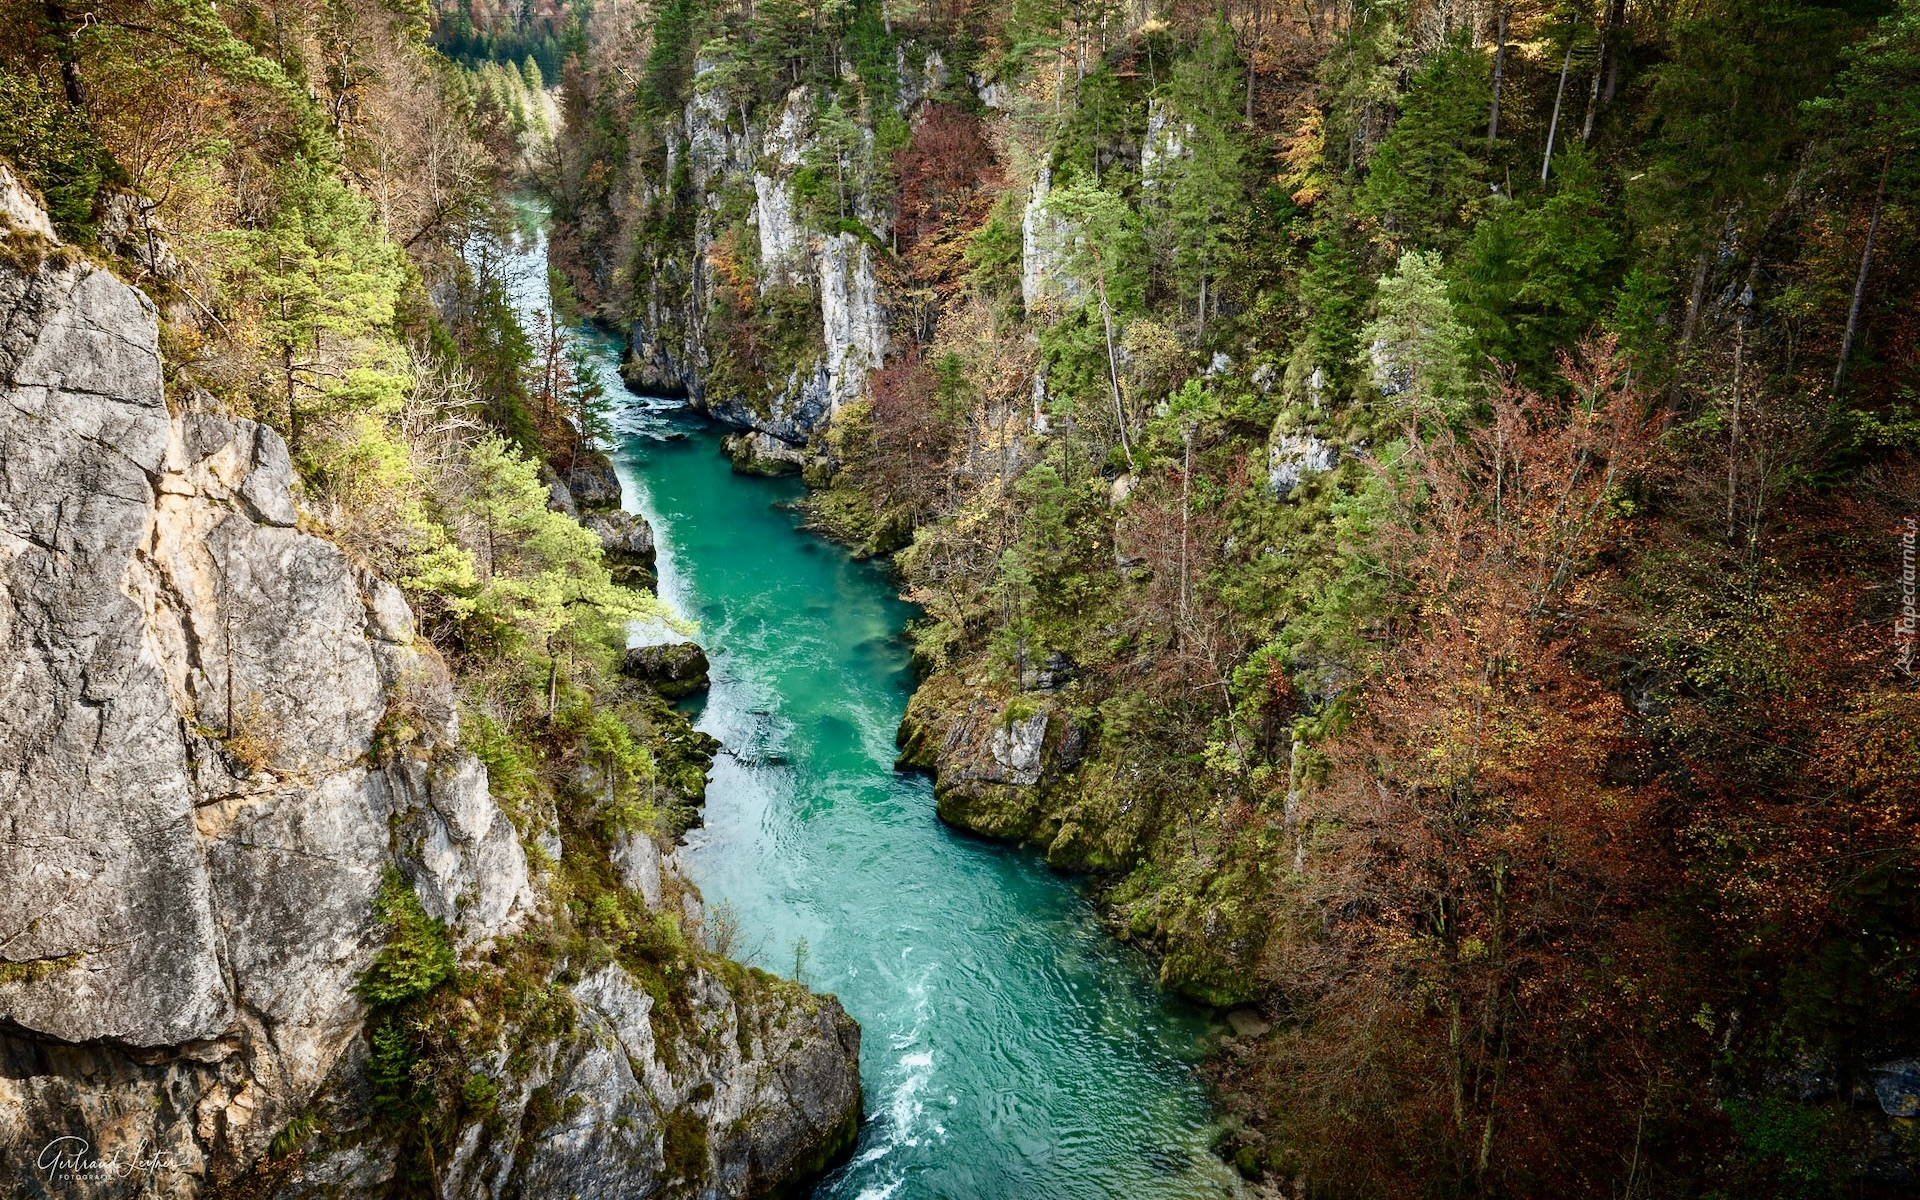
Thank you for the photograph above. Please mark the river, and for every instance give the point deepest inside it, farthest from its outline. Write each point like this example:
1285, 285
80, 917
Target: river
1011, 1049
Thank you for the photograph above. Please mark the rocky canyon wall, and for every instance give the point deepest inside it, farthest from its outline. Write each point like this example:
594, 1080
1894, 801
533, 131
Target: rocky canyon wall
224, 740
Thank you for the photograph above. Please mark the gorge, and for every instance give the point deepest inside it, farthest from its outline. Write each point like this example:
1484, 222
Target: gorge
1010, 1047
738, 598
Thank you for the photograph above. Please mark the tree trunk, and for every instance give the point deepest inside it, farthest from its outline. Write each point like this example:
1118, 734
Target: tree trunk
62, 27
1186, 515
1739, 379
1456, 1068
1553, 126
1113, 368
1860, 281
1687, 326
1493, 1099
1499, 70
1619, 12
1733, 438
1599, 65
293, 408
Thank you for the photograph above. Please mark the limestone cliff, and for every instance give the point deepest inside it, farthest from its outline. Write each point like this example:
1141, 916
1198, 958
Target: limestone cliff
730, 163
223, 740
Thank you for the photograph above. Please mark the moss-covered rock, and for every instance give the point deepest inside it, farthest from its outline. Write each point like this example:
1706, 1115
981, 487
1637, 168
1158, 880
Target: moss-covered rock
997, 811
761, 454
675, 670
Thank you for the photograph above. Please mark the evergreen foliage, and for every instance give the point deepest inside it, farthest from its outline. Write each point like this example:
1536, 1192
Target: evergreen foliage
416, 958
1428, 178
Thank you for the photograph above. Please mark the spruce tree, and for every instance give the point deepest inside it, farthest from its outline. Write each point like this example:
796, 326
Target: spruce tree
1426, 180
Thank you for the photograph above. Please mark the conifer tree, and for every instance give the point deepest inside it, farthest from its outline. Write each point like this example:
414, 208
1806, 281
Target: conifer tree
1426, 178
1415, 348
1209, 179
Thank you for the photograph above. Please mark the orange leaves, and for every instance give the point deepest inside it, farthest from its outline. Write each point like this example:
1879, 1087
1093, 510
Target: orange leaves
731, 272
911, 436
1871, 753
1483, 874
947, 180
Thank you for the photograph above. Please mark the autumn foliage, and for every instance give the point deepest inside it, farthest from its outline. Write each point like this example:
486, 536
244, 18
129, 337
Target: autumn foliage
1487, 980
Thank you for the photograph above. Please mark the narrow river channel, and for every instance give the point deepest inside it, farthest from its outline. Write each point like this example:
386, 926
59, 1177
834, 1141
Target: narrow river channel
1011, 1050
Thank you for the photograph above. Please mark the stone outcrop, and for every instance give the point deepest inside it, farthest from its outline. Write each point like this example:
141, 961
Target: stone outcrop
592, 482
756, 452
1165, 145
222, 738
627, 542
1046, 247
748, 1087
1293, 458
674, 670
1021, 768
992, 759
746, 155
196, 815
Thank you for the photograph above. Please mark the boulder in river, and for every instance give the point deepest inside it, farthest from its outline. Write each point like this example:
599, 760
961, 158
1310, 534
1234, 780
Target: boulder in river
675, 670
758, 453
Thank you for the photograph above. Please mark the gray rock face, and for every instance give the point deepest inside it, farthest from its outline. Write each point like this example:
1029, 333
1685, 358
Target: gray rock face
592, 482
627, 541
623, 533
856, 329
195, 823
989, 759
1295, 457
757, 452
559, 495
638, 860
772, 1117
20, 212
1015, 751
204, 794
756, 154
748, 1090
1046, 245
1164, 146
760, 1094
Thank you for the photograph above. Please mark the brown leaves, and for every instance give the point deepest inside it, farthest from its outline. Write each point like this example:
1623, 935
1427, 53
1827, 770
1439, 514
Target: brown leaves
948, 180
1478, 866
911, 436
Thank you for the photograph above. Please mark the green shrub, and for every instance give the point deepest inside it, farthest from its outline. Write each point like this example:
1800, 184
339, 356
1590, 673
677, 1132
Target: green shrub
1803, 1145
416, 958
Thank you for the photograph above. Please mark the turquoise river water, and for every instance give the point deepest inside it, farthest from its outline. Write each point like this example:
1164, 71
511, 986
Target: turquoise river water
1011, 1049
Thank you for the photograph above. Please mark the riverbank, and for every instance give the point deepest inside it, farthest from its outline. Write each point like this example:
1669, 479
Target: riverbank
1010, 1047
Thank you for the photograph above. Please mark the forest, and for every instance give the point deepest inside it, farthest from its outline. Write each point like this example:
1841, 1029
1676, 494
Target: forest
1451, 469
1456, 453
